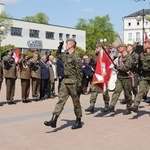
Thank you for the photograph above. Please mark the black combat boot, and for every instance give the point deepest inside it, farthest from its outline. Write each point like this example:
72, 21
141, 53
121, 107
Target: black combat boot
127, 112
134, 109
110, 109
90, 109
78, 124
105, 110
52, 122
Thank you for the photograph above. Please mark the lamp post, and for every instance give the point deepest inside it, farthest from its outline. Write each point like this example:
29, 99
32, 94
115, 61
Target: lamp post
142, 17
2, 28
103, 40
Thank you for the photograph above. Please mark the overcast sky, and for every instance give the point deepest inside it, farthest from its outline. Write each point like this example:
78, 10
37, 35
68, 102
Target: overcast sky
67, 12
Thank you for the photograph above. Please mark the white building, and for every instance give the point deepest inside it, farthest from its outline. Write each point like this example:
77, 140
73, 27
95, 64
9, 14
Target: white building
136, 27
28, 35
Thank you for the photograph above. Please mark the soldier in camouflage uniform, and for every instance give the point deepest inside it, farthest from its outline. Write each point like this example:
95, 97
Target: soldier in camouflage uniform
94, 90
124, 82
145, 75
70, 85
1, 77
134, 70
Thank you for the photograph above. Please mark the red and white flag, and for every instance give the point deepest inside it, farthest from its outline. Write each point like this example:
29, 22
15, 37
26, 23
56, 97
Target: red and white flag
146, 37
102, 71
16, 55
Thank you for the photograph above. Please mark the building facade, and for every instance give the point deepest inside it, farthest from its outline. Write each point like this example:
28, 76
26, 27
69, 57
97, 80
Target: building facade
137, 27
29, 35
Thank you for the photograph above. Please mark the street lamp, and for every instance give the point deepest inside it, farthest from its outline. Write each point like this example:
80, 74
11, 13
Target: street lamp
103, 40
2, 28
142, 17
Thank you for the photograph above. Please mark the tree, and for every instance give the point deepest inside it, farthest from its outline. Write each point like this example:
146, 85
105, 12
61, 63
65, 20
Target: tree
97, 28
6, 22
38, 18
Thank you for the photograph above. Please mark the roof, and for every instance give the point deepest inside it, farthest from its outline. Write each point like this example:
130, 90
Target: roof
141, 12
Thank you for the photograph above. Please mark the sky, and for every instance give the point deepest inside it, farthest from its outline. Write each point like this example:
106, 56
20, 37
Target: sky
67, 12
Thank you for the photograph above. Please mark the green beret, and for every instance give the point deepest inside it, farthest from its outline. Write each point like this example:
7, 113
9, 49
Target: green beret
122, 45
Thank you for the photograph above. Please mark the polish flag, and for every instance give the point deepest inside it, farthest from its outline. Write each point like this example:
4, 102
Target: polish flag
102, 71
16, 55
146, 37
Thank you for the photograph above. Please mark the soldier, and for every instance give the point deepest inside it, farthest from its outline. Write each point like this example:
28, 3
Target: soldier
25, 74
35, 76
145, 75
94, 90
10, 74
1, 77
124, 82
70, 85
134, 70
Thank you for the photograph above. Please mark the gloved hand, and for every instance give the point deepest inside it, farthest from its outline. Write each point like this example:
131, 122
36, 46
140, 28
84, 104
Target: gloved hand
79, 90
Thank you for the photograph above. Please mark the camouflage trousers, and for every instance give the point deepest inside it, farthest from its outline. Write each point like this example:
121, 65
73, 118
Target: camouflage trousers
144, 86
94, 94
126, 85
65, 91
135, 88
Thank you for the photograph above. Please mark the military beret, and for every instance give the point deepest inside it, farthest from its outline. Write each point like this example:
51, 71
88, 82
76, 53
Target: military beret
147, 41
71, 39
122, 45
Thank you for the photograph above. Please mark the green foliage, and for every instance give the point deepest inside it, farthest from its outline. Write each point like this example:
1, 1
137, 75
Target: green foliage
97, 28
38, 18
5, 48
6, 22
80, 51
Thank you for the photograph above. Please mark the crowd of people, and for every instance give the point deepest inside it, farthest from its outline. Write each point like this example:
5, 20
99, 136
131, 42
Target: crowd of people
75, 77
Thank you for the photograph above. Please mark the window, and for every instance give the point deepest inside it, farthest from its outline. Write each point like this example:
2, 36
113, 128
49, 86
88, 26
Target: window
137, 36
129, 24
129, 36
74, 37
16, 31
34, 33
49, 35
60, 36
67, 36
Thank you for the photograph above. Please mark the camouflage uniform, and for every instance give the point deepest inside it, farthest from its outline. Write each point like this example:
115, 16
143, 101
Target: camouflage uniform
72, 80
94, 90
134, 70
1, 75
123, 82
145, 76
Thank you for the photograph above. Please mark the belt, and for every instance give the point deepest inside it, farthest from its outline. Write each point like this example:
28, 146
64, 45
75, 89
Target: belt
69, 76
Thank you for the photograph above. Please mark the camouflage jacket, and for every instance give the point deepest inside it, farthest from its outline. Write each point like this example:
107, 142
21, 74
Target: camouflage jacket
125, 64
72, 69
135, 58
145, 65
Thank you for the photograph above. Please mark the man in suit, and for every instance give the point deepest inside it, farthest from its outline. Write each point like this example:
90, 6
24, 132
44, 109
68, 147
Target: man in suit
45, 75
25, 74
35, 76
10, 75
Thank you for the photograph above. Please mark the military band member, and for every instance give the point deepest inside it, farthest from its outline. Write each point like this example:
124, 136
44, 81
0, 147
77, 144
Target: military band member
10, 74
145, 75
35, 76
1, 77
70, 86
25, 74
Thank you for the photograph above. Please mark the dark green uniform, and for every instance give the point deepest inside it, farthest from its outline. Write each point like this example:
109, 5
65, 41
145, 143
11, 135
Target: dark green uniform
10, 74
25, 74
124, 81
36, 78
1, 75
145, 76
72, 80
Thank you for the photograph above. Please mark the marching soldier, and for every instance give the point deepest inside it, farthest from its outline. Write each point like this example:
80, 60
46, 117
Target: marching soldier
70, 86
145, 75
124, 80
25, 74
1, 77
94, 90
35, 76
10, 74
